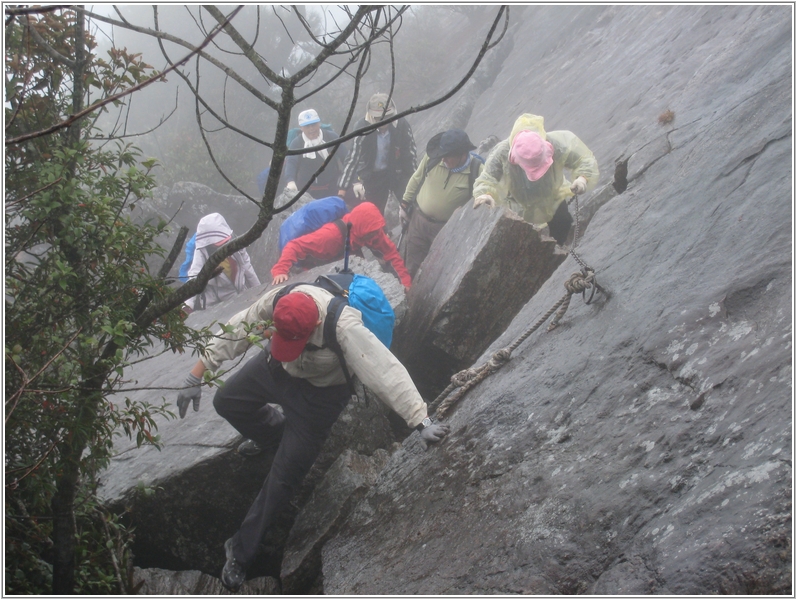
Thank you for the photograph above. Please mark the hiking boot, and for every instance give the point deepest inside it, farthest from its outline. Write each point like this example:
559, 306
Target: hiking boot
249, 448
233, 574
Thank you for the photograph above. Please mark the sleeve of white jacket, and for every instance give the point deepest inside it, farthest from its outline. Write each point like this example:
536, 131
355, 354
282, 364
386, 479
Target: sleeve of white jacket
225, 346
378, 369
196, 266
249, 272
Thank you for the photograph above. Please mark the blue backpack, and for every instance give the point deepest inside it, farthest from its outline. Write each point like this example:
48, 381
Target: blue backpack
190, 247
310, 217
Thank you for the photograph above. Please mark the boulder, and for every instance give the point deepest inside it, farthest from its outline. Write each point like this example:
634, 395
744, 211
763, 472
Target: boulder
483, 266
644, 446
186, 499
343, 485
161, 582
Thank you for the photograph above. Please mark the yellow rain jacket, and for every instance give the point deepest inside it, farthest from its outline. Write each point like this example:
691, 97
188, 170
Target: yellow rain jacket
536, 201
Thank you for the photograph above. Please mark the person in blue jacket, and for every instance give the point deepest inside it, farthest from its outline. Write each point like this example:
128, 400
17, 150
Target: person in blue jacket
299, 168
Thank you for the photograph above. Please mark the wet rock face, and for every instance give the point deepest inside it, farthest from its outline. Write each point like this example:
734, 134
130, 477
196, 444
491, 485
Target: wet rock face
481, 269
644, 446
343, 485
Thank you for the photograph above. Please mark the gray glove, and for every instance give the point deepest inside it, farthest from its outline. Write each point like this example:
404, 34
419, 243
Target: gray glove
193, 392
435, 432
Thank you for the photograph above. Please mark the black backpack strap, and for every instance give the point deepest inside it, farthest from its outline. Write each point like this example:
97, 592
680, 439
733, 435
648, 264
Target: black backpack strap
474, 170
284, 291
334, 308
342, 227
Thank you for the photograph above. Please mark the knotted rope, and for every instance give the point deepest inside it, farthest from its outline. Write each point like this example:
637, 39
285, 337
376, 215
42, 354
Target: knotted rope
469, 378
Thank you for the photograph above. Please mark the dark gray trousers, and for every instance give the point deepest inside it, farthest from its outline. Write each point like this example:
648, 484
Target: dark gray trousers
309, 411
420, 235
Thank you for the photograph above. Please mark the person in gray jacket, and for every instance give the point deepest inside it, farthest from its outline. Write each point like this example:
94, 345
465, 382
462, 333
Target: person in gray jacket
306, 379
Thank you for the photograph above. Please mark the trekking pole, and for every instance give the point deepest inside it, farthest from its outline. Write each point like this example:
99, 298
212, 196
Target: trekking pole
347, 249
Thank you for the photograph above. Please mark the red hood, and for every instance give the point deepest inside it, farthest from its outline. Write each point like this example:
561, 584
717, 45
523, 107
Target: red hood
364, 219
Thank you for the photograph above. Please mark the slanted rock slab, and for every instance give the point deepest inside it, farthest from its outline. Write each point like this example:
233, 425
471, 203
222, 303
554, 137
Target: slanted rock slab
344, 484
483, 266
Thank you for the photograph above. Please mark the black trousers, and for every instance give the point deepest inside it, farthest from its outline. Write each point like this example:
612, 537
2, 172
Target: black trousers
378, 187
559, 226
309, 411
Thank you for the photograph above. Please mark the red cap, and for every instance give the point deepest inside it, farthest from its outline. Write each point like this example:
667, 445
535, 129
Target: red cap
295, 318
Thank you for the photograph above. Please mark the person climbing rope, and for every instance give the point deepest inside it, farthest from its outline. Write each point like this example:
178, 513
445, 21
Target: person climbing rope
526, 172
304, 376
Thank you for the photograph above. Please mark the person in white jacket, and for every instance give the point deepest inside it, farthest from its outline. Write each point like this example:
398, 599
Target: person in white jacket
305, 377
237, 273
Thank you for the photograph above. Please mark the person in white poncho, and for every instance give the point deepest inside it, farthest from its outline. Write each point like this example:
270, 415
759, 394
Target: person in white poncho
237, 273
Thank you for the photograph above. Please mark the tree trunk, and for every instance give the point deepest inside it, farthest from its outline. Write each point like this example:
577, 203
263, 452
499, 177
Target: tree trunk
64, 533
63, 503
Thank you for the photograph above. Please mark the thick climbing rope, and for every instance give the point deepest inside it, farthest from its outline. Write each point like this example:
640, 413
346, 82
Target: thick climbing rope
469, 378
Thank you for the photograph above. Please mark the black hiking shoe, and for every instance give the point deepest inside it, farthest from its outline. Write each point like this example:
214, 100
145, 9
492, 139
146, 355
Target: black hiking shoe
249, 448
233, 574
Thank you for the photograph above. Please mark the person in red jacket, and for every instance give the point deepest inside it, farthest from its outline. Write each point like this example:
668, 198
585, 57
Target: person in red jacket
325, 245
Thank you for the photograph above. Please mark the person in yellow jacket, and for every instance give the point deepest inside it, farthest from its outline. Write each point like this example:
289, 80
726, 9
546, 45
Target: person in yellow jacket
527, 173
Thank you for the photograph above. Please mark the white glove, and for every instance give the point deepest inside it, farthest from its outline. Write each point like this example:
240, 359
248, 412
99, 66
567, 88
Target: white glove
291, 187
484, 199
579, 186
359, 190
192, 394
435, 432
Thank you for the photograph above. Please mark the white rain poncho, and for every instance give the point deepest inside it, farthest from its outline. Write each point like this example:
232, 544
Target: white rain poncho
238, 273
536, 201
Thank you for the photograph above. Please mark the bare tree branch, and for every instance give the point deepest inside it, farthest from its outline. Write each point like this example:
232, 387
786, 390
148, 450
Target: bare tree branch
195, 50
245, 47
108, 100
422, 107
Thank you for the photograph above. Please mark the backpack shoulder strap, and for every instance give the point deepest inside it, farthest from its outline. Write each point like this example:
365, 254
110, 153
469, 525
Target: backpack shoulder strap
284, 291
342, 227
334, 308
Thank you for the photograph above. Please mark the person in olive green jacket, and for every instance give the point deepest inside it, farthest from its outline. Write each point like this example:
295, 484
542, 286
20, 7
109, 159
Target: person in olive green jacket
527, 173
441, 184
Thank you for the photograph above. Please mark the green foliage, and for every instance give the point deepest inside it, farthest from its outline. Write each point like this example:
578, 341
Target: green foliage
77, 282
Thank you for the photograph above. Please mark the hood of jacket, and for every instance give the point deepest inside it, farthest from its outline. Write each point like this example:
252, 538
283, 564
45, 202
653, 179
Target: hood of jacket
212, 229
364, 219
527, 122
